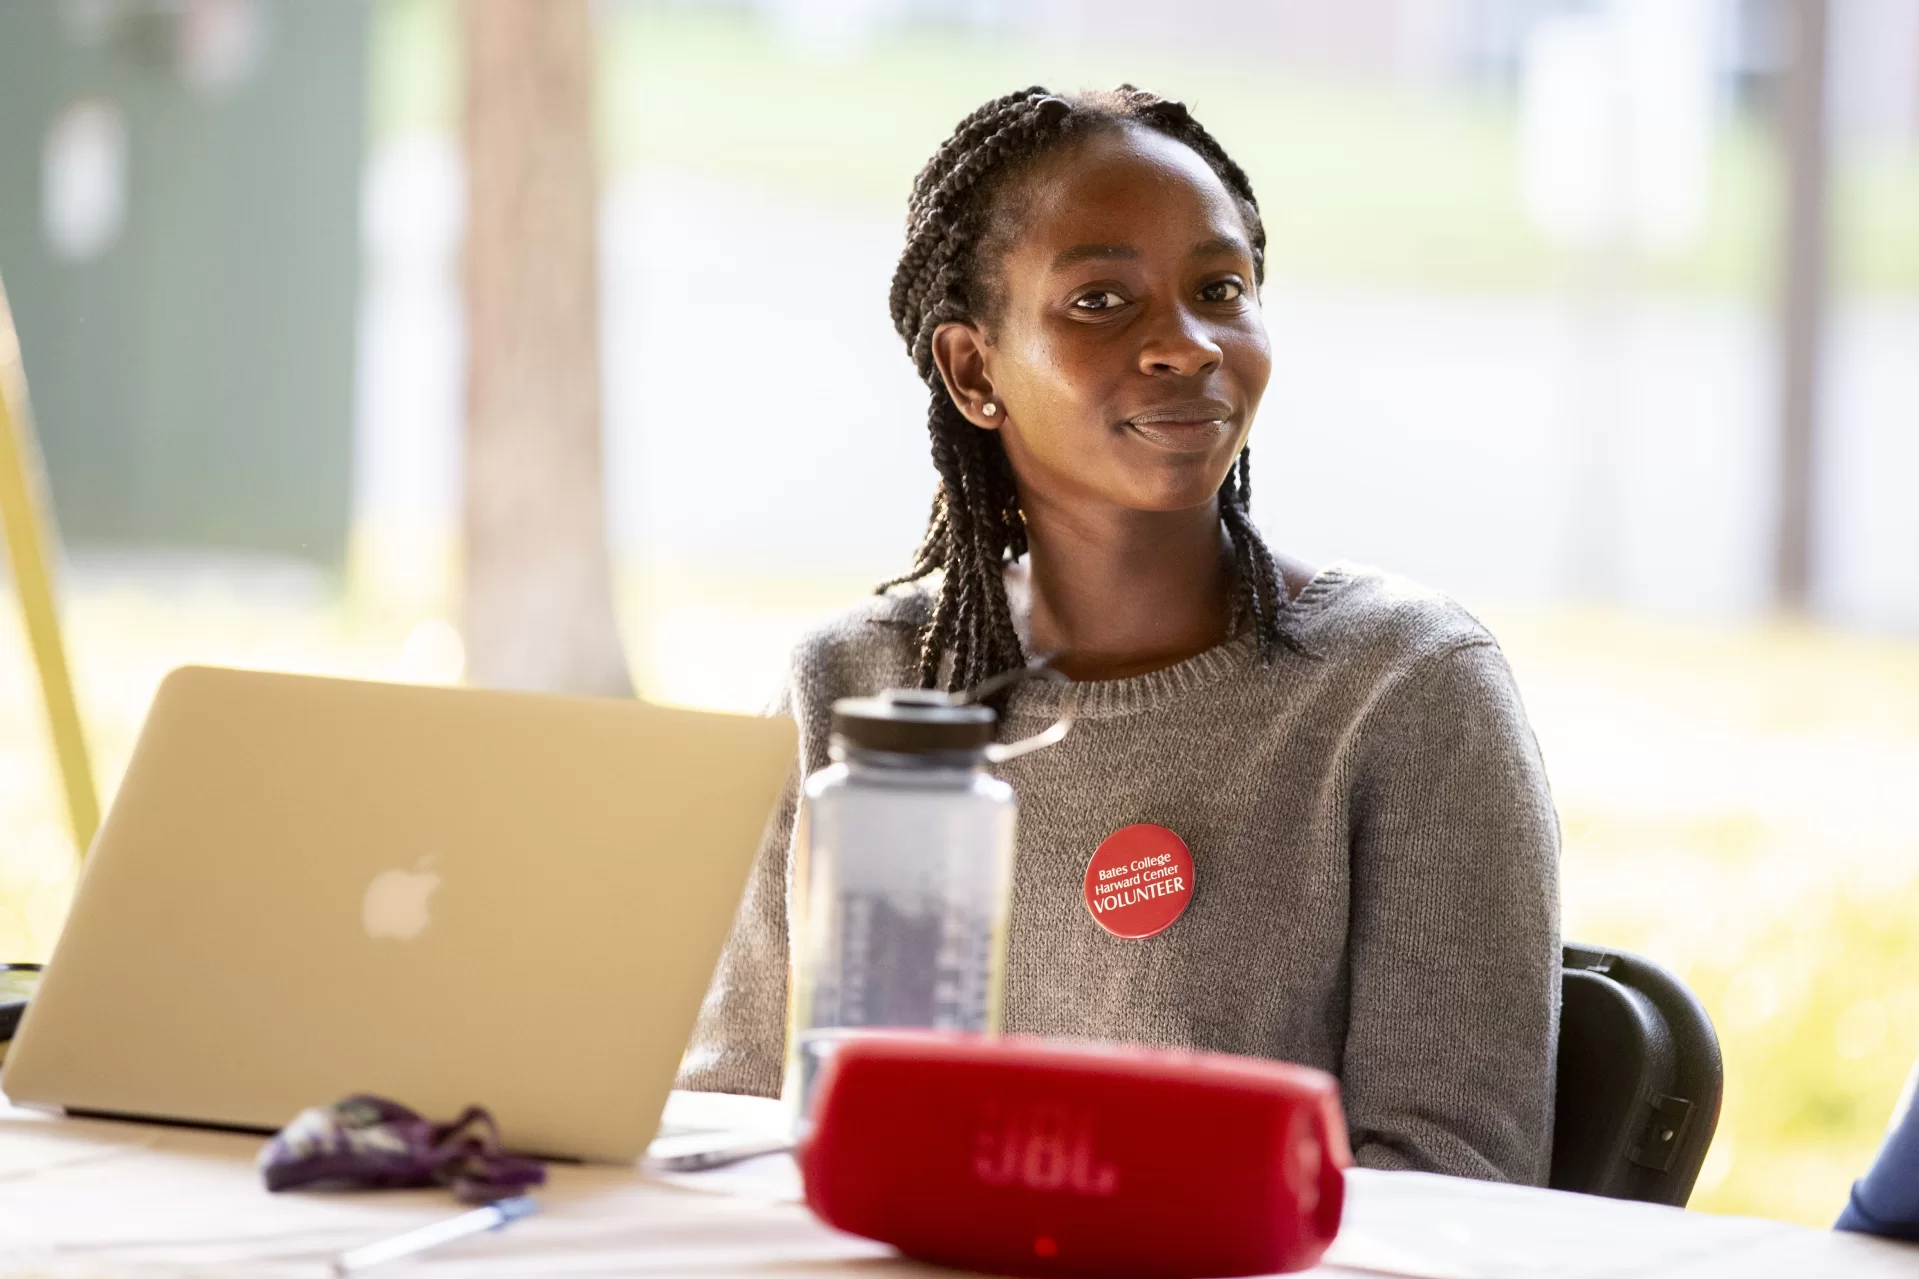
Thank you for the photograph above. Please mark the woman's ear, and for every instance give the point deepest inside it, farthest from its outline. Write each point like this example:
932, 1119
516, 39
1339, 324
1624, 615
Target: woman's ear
959, 349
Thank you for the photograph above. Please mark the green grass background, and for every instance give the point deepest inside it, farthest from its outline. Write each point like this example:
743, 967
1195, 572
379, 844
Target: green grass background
1359, 182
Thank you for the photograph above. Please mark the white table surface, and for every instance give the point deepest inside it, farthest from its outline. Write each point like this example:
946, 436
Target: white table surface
98, 1198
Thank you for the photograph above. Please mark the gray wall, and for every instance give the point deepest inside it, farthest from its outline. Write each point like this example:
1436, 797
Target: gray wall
193, 380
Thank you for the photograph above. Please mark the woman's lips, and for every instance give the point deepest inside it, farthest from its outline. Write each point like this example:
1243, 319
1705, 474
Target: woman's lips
1186, 428
1181, 437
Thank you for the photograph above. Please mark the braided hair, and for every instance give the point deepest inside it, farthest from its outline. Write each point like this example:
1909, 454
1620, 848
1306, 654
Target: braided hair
955, 231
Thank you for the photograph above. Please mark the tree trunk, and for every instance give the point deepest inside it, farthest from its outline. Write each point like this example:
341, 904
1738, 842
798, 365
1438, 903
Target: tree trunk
1802, 329
539, 608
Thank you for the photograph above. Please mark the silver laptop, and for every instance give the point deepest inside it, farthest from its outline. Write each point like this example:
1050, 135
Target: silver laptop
313, 887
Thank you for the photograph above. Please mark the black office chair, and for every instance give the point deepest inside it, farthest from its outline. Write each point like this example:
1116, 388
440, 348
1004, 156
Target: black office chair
1639, 1080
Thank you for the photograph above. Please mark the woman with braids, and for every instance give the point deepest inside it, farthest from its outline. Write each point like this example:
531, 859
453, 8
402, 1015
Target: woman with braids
1374, 849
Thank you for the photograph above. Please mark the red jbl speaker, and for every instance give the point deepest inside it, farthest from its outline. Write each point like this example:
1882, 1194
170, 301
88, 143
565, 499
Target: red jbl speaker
1025, 1157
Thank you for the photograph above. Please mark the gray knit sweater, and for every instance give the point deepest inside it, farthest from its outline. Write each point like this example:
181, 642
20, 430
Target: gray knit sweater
1376, 862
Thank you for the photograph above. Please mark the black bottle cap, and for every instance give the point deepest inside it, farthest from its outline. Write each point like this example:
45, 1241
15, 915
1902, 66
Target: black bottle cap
912, 722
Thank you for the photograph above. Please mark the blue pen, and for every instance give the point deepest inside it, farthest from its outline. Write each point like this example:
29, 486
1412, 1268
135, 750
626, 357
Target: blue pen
479, 1221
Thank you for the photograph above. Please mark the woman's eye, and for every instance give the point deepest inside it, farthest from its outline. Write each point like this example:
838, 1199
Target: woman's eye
1222, 291
1099, 300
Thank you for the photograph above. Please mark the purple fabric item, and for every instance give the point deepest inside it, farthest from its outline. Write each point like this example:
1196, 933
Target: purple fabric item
370, 1143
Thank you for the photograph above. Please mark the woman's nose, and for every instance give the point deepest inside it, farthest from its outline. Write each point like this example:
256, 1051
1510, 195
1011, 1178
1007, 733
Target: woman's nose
1181, 346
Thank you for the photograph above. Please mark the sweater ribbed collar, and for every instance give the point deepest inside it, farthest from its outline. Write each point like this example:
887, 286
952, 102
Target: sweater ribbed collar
1108, 698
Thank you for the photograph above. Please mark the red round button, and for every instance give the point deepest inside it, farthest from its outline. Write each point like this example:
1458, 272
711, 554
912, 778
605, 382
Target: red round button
1139, 881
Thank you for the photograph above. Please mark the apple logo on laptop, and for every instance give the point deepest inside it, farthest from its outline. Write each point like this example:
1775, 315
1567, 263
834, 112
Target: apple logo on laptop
395, 904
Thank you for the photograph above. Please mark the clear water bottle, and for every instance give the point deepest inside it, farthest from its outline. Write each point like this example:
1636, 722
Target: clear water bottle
902, 879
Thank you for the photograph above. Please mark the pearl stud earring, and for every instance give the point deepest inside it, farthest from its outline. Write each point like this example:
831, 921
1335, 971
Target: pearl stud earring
989, 408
